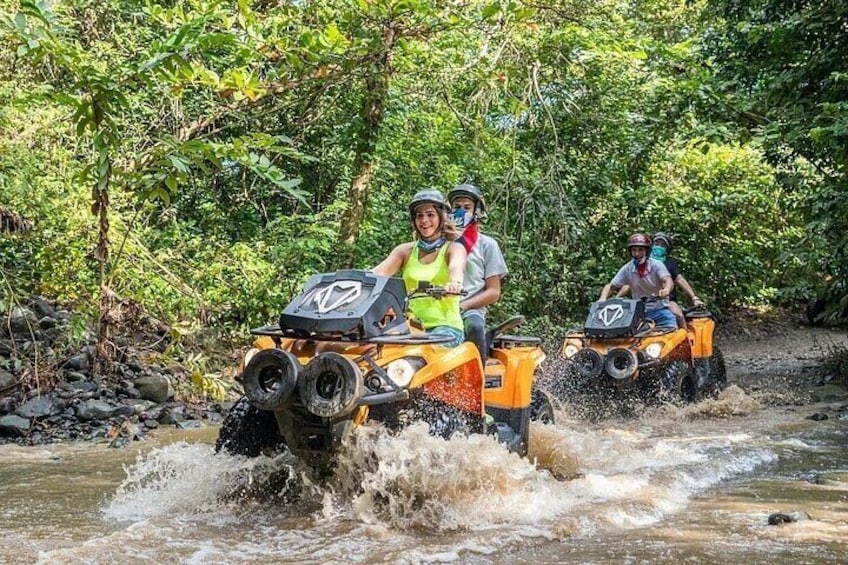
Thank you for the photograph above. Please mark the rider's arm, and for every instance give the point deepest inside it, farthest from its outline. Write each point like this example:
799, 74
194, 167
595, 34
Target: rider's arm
489, 295
623, 291
668, 284
607, 290
457, 258
684, 284
394, 262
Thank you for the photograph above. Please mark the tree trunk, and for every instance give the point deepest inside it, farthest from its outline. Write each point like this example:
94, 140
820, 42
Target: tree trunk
100, 208
373, 109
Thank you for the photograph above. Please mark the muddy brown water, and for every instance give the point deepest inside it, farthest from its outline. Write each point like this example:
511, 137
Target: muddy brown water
693, 484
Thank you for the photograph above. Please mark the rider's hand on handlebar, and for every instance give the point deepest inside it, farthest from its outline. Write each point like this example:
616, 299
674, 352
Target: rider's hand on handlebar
453, 287
698, 303
663, 293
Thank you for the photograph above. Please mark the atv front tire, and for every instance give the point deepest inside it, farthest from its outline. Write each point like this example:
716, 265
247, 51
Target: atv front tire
249, 431
541, 407
717, 381
678, 383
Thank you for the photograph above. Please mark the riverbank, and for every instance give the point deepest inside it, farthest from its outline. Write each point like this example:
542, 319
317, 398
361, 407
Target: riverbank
51, 391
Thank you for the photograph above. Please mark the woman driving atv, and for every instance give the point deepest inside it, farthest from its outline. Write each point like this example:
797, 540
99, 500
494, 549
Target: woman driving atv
646, 277
433, 257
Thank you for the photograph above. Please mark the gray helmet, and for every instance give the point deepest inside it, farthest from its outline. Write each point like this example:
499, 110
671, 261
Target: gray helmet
470, 191
664, 237
428, 196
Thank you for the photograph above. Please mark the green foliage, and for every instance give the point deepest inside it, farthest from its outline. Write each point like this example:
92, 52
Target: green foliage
229, 133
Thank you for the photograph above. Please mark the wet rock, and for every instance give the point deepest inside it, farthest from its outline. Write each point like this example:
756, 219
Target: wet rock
7, 405
79, 362
786, 517
154, 387
46, 323
151, 424
40, 407
140, 405
22, 320
13, 425
134, 367
101, 410
189, 425
172, 415
7, 380
42, 307
73, 376
7, 347
818, 416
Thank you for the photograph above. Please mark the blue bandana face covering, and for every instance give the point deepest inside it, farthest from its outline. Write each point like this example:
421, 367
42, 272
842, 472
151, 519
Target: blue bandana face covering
428, 246
461, 218
658, 252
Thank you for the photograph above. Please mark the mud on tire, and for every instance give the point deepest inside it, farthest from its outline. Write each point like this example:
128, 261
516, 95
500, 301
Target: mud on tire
717, 381
248, 431
678, 383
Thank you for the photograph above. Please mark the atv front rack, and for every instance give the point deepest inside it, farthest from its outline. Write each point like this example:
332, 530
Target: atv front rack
399, 339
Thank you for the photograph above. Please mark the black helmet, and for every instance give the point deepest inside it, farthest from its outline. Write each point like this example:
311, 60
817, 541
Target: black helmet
470, 191
664, 237
428, 196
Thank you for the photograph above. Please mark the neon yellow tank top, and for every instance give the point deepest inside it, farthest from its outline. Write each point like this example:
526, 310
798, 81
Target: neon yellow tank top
431, 312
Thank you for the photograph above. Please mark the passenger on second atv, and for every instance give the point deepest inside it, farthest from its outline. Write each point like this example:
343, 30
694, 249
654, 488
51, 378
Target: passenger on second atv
486, 266
646, 277
434, 257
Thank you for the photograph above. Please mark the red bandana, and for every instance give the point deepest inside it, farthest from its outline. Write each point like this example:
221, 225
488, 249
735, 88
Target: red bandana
469, 237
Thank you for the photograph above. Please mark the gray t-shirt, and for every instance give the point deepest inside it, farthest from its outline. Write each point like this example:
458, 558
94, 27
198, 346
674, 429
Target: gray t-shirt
484, 261
648, 285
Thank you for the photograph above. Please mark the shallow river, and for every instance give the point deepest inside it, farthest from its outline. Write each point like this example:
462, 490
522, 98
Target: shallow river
678, 485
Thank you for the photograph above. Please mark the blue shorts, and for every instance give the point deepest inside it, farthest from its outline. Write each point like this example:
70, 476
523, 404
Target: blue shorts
457, 335
662, 317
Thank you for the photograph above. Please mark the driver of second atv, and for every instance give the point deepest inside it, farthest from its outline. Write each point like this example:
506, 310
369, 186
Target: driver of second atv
432, 257
646, 277
486, 265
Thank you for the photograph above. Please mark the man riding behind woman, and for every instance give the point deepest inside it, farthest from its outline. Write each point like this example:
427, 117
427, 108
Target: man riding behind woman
486, 266
434, 257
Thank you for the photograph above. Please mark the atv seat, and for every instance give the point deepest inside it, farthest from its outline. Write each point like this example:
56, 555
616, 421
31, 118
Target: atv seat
496, 338
505, 341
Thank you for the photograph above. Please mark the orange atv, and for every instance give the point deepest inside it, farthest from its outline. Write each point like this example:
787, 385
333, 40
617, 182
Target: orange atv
344, 355
620, 351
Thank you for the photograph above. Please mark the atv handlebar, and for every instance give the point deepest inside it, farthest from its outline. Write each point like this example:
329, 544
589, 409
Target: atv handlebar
426, 290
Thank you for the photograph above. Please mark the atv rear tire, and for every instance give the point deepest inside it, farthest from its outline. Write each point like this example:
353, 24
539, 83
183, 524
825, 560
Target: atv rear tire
678, 383
249, 431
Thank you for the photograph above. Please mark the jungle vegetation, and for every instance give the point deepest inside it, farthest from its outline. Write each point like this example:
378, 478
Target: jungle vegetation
204, 157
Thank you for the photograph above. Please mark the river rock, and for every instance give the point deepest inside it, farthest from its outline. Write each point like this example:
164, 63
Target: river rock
7, 380
140, 405
13, 425
172, 415
22, 320
786, 517
818, 416
154, 387
41, 307
101, 410
39, 407
79, 362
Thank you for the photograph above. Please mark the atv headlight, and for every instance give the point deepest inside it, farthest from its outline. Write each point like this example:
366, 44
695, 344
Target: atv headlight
653, 351
570, 350
402, 370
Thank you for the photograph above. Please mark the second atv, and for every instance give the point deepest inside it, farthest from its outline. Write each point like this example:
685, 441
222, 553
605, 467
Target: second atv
620, 352
344, 354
